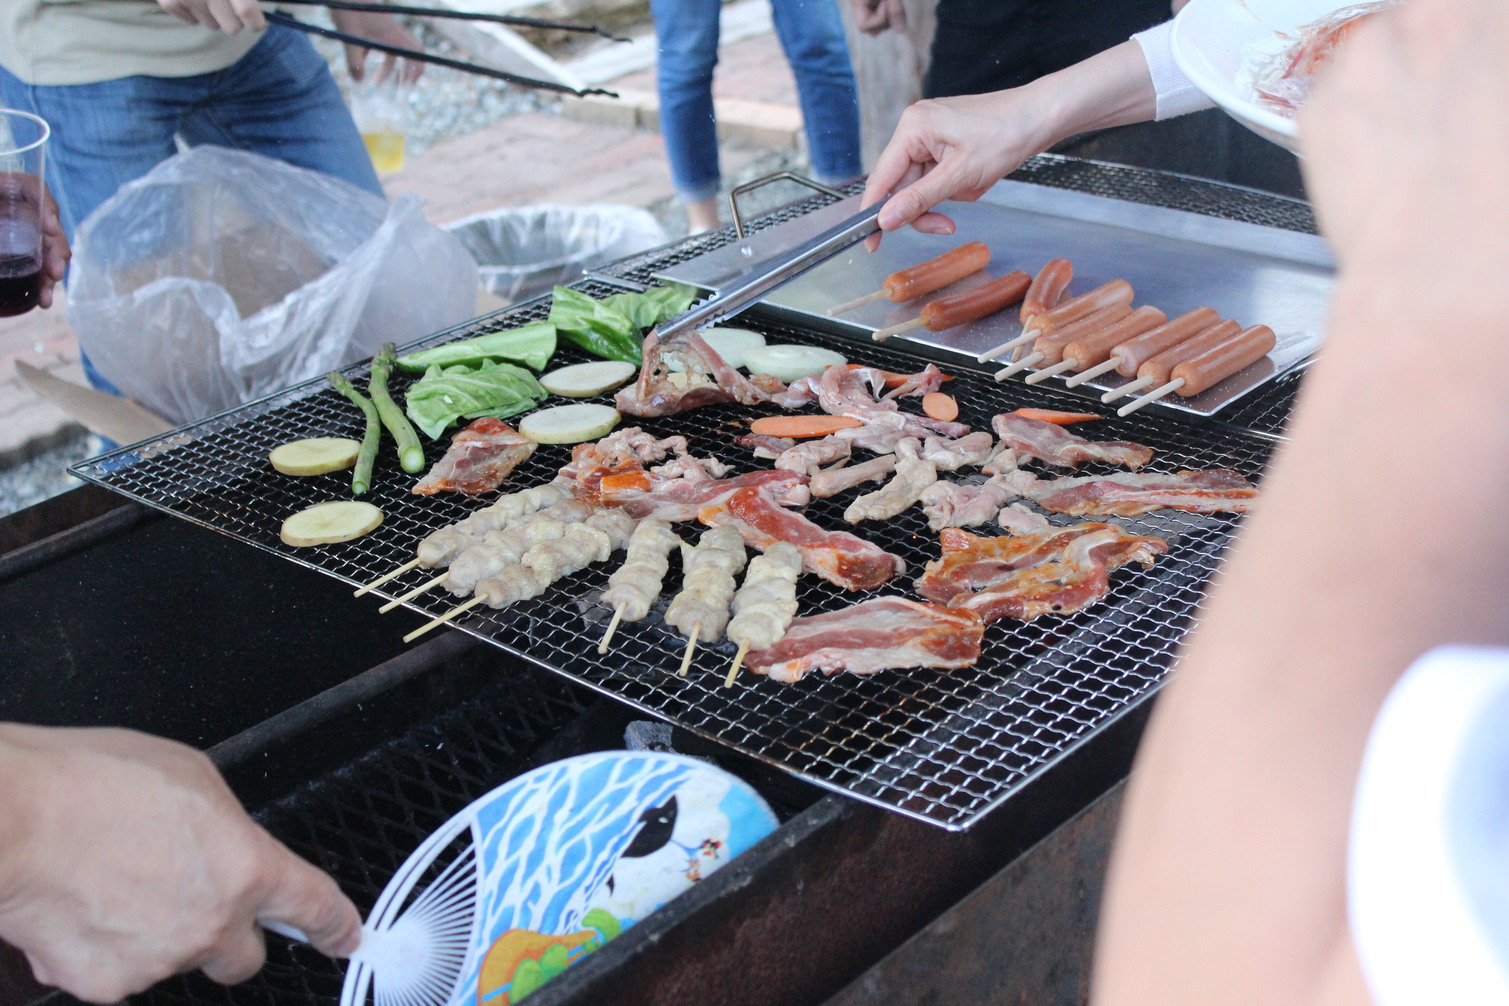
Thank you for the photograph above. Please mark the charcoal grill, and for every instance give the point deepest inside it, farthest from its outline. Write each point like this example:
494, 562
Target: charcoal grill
943, 747
262, 660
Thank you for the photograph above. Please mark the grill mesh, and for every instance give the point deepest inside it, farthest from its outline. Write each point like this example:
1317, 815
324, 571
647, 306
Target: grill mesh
942, 746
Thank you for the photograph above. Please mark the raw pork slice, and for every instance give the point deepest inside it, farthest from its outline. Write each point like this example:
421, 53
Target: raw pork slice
872, 636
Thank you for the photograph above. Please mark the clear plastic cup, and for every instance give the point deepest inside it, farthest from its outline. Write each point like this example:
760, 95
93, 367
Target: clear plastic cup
23, 142
382, 116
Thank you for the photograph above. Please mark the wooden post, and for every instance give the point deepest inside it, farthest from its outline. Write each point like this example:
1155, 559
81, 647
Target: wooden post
888, 69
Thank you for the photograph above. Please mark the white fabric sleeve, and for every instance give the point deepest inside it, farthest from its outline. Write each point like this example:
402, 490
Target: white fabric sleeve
1427, 884
1176, 95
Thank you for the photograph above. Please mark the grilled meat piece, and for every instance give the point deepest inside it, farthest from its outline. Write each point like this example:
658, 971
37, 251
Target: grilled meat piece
872, 636
480, 457
1054, 445
1218, 490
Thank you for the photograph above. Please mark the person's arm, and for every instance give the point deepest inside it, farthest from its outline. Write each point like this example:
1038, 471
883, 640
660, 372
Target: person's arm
957, 148
1380, 535
124, 859
229, 16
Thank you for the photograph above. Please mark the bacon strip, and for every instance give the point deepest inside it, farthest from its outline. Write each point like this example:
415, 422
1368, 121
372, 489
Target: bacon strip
871, 636
1054, 571
1054, 445
480, 457
1218, 490
842, 559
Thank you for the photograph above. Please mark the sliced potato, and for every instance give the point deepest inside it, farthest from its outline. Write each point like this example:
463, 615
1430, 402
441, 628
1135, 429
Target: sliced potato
315, 456
583, 380
569, 424
788, 362
327, 523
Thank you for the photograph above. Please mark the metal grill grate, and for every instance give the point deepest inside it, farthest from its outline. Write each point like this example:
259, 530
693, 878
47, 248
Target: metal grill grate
942, 746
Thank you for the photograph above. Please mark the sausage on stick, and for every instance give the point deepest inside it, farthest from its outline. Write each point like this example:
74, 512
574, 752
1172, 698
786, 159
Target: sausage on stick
1047, 288
925, 277
1127, 357
1198, 373
1051, 345
1117, 291
1088, 350
1155, 369
961, 308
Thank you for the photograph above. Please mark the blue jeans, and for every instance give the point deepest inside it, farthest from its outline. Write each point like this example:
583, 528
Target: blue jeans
812, 35
278, 100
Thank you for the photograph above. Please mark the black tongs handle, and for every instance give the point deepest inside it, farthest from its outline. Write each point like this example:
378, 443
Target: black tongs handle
425, 57
462, 15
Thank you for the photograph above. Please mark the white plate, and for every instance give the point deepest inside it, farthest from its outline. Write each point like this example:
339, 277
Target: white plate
1212, 40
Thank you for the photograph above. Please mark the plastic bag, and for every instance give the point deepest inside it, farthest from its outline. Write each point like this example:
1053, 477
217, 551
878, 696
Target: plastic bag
528, 250
222, 276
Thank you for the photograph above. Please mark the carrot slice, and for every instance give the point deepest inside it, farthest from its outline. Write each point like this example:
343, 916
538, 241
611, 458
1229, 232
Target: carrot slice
796, 427
620, 483
893, 380
940, 406
1056, 417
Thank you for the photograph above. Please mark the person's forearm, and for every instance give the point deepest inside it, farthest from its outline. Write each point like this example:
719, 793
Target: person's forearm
1378, 537
1111, 88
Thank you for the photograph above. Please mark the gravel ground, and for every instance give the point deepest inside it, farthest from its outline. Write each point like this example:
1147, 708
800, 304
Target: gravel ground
444, 104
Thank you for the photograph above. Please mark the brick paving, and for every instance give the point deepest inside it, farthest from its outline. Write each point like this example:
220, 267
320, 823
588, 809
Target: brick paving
586, 155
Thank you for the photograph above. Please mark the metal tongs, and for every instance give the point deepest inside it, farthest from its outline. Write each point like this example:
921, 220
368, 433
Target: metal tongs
454, 64
730, 299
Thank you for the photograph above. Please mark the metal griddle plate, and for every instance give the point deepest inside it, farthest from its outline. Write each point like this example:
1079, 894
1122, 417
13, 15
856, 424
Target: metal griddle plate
941, 746
1175, 260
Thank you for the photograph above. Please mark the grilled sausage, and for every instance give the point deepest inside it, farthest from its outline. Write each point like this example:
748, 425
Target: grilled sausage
1159, 367
936, 273
1117, 291
946, 312
1095, 346
1135, 352
1224, 359
1051, 344
1047, 288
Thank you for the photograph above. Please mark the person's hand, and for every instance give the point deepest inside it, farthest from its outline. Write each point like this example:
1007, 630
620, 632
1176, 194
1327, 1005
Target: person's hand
229, 16
951, 148
379, 28
874, 16
957, 148
125, 859
55, 250
1405, 144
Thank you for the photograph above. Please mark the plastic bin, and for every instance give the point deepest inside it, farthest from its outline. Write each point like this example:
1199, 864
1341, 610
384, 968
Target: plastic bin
527, 250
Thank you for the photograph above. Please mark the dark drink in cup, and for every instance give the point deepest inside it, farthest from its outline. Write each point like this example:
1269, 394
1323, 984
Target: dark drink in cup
20, 283
22, 140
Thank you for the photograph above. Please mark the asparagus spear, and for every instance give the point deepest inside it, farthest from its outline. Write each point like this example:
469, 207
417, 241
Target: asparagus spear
410, 453
361, 473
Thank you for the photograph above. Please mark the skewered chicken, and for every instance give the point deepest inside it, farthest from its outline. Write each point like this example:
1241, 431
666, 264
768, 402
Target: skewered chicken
700, 610
592, 540
636, 584
441, 546
766, 601
506, 546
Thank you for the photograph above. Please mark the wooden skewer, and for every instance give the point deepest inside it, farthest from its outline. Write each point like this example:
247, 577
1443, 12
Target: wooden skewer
618, 613
882, 334
1092, 372
1126, 389
991, 354
733, 668
430, 584
691, 647
850, 305
1019, 366
459, 609
411, 564
1153, 395
1053, 371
